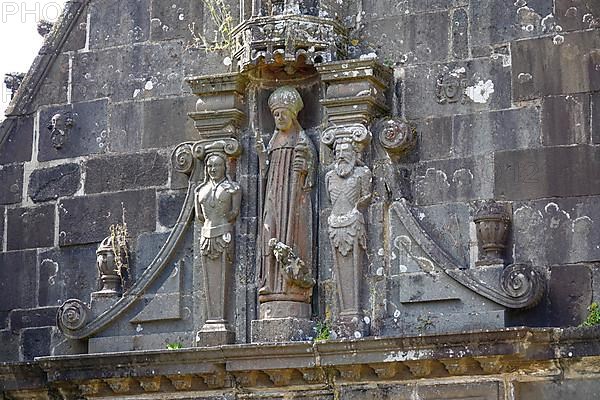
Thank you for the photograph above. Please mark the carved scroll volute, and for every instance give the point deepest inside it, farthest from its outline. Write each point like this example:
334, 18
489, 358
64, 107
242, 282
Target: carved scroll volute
72, 315
348, 186
397, 137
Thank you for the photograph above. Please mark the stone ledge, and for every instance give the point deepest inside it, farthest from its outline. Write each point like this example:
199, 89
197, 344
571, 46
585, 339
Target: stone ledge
545, 352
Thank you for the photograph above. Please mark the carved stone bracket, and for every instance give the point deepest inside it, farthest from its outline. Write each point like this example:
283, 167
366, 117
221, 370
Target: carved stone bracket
356, 91
219, 108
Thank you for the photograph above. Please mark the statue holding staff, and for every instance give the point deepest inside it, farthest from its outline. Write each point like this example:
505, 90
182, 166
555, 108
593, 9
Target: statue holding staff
287, 167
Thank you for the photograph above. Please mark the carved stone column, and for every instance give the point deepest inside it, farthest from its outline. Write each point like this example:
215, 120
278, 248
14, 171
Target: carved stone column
356, 94
218, 117
348, 187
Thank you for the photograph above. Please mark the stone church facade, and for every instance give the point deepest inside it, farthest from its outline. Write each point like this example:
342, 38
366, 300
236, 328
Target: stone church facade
304, 199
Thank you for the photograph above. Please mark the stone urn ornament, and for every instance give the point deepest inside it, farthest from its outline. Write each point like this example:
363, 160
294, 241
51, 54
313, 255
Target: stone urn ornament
108, 269
492, 223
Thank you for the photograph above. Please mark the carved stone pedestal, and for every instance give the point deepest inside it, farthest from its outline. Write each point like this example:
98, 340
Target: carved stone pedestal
282, 330
102, 301
215, 334
284, 309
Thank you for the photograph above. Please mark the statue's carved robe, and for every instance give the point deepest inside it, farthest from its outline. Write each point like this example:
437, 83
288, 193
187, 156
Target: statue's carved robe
287, 213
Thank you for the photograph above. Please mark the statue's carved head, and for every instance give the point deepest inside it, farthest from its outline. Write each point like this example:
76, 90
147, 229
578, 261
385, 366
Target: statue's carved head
288, 98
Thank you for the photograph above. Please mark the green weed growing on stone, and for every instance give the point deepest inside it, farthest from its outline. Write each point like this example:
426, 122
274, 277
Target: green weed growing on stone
323, 331
174, 346
593, 317
220, 15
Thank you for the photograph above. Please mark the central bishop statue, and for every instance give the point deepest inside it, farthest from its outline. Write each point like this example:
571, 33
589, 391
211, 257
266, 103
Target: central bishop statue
287, 167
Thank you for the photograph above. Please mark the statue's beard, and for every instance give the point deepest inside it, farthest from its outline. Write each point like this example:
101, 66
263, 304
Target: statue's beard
344, 167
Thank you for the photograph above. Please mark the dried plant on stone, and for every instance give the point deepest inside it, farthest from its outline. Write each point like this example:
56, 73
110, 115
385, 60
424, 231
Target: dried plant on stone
119, 235
220, 16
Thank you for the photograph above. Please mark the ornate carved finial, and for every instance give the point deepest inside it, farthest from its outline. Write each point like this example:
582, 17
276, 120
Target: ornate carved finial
492, 221
44, 27
107, 268
13, 81
59, 126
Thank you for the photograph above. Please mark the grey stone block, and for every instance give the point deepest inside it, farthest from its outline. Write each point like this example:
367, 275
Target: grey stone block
569, 294
11, 178
548, 172
169, 207
388, 8
379, 392
54, 86
87, 136
168, 22
9, 350
52, 183
129, 73
501, 130
409, 38
421, 82
577, 14
129, 22
67, 273
125, 122
557, 231
16, 146
565, 120
77, 37
282, 330
18, 280
462, 391
537, 62
460, 34
147, 247
35, 342
435, 138
166, 122
448, 226
127, 171
32, 318
197, 61
580, 389
458, 179
499, 21
595, 118
87, 219
30, 227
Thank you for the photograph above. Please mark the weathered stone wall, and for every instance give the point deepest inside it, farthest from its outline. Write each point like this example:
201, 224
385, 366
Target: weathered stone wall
525, 132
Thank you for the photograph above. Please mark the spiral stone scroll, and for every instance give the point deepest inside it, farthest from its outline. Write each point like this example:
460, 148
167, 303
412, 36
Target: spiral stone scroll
396, 137
523, 284
72, 315
185, 155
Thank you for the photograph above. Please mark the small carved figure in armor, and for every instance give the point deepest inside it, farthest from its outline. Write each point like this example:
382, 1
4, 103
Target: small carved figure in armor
217, 202
287, 168
349, 189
